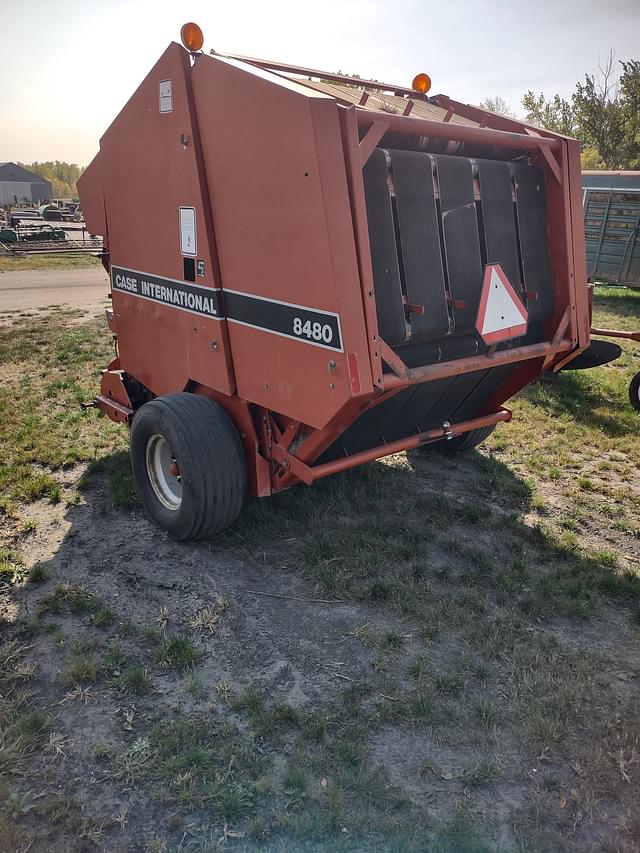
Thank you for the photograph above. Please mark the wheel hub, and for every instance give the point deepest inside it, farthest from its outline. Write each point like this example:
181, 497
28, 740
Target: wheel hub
163, 472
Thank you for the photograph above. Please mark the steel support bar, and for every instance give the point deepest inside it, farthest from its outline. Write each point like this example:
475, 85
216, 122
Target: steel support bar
372, 137
468, 365
613, 333
548, 156
309, 474
285, 68
412, 126
114, 410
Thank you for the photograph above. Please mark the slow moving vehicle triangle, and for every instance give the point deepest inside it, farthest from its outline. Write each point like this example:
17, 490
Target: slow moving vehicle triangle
501, 315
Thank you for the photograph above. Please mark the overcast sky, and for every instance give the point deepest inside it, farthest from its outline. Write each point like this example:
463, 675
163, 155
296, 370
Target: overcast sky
67, 67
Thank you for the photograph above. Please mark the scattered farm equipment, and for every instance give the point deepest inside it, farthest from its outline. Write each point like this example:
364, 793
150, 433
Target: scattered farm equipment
30, 234
338, 269
35, 239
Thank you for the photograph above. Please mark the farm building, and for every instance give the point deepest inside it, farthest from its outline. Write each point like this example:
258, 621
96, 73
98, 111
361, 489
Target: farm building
19, 186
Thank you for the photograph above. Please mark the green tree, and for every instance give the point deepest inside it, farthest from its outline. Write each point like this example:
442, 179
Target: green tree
604, 114
555, 114
63, 176
498, 105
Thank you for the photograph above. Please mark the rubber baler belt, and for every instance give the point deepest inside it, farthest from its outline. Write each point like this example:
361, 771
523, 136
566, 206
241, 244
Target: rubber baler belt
531, 208
419, 237
431, 236
384, 255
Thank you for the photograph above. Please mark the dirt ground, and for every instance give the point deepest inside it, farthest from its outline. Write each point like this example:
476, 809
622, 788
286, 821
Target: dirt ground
430, 653
35, 291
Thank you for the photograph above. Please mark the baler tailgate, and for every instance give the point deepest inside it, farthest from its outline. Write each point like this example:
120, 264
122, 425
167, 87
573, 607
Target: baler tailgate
435, 221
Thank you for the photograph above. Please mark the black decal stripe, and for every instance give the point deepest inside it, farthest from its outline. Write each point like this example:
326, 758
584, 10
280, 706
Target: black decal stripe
298, 322
193, 298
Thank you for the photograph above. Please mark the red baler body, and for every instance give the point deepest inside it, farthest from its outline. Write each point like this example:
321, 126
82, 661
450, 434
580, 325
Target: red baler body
314, 256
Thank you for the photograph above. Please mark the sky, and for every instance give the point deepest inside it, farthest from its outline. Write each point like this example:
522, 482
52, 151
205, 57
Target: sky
68, 66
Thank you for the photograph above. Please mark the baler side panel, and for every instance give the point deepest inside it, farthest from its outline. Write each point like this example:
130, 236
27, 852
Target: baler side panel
92, 196
281, 215
165, 339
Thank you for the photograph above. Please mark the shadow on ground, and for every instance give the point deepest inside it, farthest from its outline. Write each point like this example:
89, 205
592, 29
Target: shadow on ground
266, 683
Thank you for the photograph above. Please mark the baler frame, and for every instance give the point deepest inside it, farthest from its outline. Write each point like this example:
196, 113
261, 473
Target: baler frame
283, 449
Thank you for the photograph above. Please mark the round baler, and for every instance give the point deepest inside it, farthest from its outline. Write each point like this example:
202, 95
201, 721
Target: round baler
311, 271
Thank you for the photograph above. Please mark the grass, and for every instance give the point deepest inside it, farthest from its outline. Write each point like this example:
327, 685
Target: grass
12, 568
38, 574
23, 726
68, 598
81, 669
178, 652
55, 366
136, 680
47, 262
485, 665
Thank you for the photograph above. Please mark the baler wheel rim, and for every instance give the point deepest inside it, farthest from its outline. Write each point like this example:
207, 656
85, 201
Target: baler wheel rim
159, 459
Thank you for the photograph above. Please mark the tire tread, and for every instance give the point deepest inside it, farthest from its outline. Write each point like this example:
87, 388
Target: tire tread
204, 435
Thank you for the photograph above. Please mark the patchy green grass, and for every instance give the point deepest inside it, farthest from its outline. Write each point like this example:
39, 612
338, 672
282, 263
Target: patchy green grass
55, 366
68, 598
178, 652
9, 263
12, 568
80, 669
137, 680
486, 673
23, 726
38, 573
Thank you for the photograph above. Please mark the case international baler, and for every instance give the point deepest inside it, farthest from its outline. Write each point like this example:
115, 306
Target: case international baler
310, 271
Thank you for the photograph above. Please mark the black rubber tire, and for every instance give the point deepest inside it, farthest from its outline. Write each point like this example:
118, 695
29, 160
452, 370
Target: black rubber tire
634, 392
208, 451
466, 441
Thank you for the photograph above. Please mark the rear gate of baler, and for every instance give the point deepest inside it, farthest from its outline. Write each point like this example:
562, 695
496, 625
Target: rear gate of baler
434, 222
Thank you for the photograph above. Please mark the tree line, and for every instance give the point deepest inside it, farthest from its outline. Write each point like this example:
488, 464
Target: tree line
603, 113
63, 176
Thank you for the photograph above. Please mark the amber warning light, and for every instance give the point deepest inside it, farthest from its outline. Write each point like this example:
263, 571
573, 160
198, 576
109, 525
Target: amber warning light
421, 83
191, 36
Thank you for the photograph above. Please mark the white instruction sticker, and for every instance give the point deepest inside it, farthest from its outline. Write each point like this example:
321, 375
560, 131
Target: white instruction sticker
165, 91
188, 242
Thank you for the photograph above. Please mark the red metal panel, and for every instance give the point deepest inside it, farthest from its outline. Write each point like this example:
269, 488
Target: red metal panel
274, 162
151, 160
582, 320
90, 185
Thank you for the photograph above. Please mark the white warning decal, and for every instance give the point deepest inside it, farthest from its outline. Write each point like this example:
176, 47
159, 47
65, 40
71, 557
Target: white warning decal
502, 314
165, 94
188, 239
